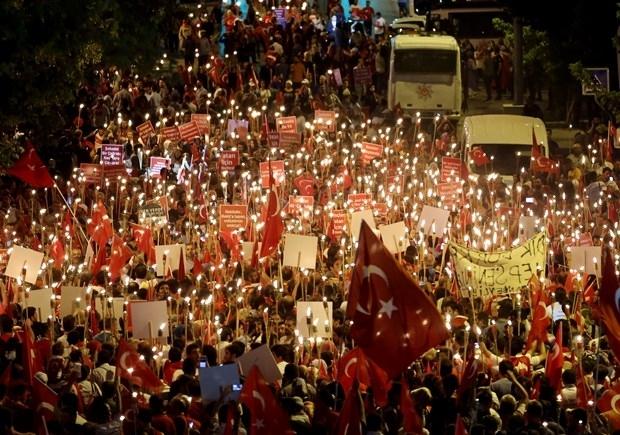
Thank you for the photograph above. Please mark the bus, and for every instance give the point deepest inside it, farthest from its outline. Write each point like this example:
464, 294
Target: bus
425, 75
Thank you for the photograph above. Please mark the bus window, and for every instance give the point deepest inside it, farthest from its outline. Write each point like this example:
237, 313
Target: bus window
427, 65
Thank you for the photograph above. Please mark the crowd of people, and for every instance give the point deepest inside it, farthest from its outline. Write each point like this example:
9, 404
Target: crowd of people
230, 292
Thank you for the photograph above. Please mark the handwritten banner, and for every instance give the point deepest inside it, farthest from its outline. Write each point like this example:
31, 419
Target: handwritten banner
486, 274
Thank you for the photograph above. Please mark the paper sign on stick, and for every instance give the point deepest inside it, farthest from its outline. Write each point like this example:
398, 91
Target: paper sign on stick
264, 360
213, 380
356, 222
92, 173
325, 120
41, 300
371, 151
155, 313
450, 169
168, 258
72, 299
233, 217
111, 155
277, 168
338, 221
300, 251
202, 121
394, 237
156, 164
359, 201
586, 259
286, 124
314, 319
24, 258
113, 309
433, 221
229, 160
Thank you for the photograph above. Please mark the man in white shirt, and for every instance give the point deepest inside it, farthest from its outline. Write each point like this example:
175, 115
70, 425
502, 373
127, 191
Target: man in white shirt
380, 26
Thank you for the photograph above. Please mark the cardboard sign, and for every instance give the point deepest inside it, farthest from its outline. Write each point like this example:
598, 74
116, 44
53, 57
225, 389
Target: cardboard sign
314, 319
286, 140
450, 193
371, 151
72, 299
264, 360
149, 319
325, 120
233, 217
92, 173
171, 133
356, 222
362, 75
239, 127
247, 249
273, 138
395, 237
113, 172
302, 206
300, 251
359, 201
433, 221
337, 77
113, 309
111, 155
286, 124
450, 169
189, 130
277, 168
168, 258
24, 259
152, 212
202, 121
338, 222
586, 259
156, 164
145, 131
213, 380
229, 160
41, 300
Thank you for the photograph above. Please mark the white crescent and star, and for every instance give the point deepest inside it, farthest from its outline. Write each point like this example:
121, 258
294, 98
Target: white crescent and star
346, 368
258, 396
387, 307
613, 403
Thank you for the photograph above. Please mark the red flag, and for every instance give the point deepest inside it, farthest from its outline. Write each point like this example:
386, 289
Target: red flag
608, 303
459, 428
584, 394
394, 321
100, 227
555, 361
354, 365
44, 401
57, 252
120, 256
545, 164
469, 375
31, 170
229, 429
479, 157
536, 151
100, 260
412, 423
30, 357
352, 413
540, 319
144, 241
266, 415
133, 367
273, 227
305, 185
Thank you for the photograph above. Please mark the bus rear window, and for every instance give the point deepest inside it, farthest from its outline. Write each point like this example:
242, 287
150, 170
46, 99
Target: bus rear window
425, 61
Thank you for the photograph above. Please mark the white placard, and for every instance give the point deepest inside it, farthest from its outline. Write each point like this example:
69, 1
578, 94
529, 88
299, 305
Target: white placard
433, 221
527, 227
41, 300
319, 315
24, 258
395, 237
263, 358
168, 258
72, 299
356, 222
300, 251
586, 258
246, 250
154, 312
115, 309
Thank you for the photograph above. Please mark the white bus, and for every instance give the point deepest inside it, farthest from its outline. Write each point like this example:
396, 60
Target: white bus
425, 75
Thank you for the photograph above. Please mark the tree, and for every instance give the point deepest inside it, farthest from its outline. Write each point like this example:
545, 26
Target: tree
50, 48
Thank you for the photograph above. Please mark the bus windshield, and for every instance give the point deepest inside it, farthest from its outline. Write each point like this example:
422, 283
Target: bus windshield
426, 65
508, 159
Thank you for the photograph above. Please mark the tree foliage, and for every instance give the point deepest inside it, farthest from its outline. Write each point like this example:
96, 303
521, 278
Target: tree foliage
50, 48
536, 47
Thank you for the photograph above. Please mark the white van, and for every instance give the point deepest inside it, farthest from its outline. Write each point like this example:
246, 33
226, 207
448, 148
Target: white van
508, 138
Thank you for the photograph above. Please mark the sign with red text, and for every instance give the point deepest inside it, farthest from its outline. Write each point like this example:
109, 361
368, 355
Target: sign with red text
362, 75
92, 173
325, 120
301, 206
229, 160
359, 201
371, 151
277, 169
286, 124
450, 169
156, 164
111, 155
233, 217
202, 121
285, 140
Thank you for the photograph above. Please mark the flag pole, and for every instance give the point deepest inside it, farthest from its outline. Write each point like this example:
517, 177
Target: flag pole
71, 211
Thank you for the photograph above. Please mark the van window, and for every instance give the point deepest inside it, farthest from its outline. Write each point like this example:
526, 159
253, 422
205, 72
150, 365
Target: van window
506, 160
425, 65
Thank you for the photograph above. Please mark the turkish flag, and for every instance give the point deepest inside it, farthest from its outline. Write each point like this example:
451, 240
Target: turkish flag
555, 361
352, 413
479, 157
394, 321
31, 170
30, 357
232, 242
545, 164
273, 227
356, 366
266, 415
540, 319
412, 423
44, 401
133, 367
608, 303
100, 227
469, 374
57, 252
119, 257
144, 241
305, 185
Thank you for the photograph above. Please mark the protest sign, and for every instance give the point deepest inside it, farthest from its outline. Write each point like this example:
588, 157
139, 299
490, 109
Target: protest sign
72, 299
145, 131
149, 319
371, 151
362, 75
24, 264
152, 212
449, 193
168, 258
171, 133
273, 137
395, 237
229, 160
450, 169
156, 164
214, 380
233, 217
111, 155
356, 222
433, 221
300, 251
325, 120
314, 319
41, 300
338, 221
92, 173
487, 274
586, 259
288, 139
264, 360
189, 130
286, 124
277, 169
359, 201
301, 206
202, 121
113, 309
